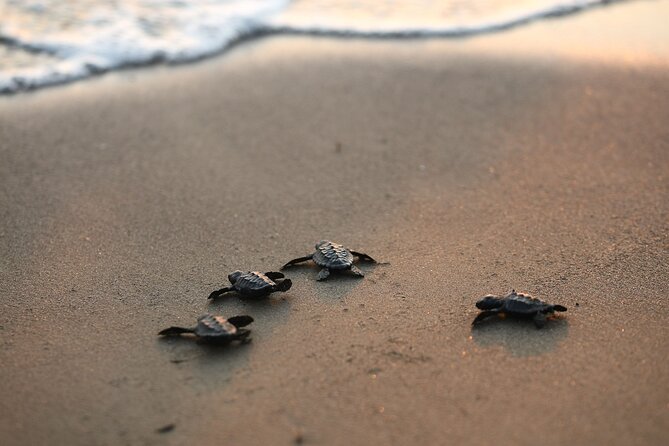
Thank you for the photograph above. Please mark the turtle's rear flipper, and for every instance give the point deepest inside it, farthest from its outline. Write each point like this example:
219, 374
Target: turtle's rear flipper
240, 321
273, 275
355, 270
323, 274
559, 308
297, 260
174, 331
363, 256
284, 285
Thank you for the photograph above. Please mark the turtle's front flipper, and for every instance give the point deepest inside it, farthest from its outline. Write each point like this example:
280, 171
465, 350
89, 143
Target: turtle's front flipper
483, 315
363, 256
174, 331
243, 336
240, 321
323, 274
540, 319
559, 308
273, 275
284, 285
219, 293
297, 260
355, 270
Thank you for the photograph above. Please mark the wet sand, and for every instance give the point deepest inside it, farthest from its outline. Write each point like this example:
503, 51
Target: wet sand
471, 166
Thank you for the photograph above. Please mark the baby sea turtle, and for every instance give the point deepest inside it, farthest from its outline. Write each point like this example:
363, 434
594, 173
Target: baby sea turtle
516, 305
215, 329
254, 285
331, 256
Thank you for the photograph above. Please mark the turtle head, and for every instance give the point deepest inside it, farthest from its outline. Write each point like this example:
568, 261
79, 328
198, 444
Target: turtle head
232, 277
321, 243
489, 302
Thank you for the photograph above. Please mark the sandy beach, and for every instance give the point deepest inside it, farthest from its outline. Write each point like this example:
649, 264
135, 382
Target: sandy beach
534, 159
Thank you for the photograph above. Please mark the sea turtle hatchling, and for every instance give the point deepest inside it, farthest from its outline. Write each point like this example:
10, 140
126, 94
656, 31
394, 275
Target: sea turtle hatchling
516, 305
331, 256
215, 329
254, 285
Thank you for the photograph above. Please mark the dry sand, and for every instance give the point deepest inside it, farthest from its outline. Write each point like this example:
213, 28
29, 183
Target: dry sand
471, 166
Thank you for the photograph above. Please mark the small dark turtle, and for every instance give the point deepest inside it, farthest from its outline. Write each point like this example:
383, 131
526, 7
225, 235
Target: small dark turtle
254, 285
516, 305
215, 329
331, 256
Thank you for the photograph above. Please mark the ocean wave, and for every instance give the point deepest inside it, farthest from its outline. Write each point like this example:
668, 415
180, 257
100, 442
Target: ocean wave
47, 42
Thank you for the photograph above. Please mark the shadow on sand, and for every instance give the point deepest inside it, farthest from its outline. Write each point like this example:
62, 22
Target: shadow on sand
266, 313
520, 337
336, 287
187, 348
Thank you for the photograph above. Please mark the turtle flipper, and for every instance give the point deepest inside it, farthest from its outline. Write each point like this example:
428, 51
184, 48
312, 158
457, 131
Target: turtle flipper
540, 319
243, 335
174, 331
483, 315
355, 270
240, 321
219, 293
559, 308
297, 260
363, 256
284, 285
274, 275
323, 274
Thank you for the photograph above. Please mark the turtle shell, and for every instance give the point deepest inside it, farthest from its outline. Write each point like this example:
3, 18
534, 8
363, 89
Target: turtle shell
252, 283
332, 255
519, 303
215, 328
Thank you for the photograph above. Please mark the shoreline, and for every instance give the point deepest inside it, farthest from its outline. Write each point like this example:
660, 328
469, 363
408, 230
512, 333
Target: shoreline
273, 30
